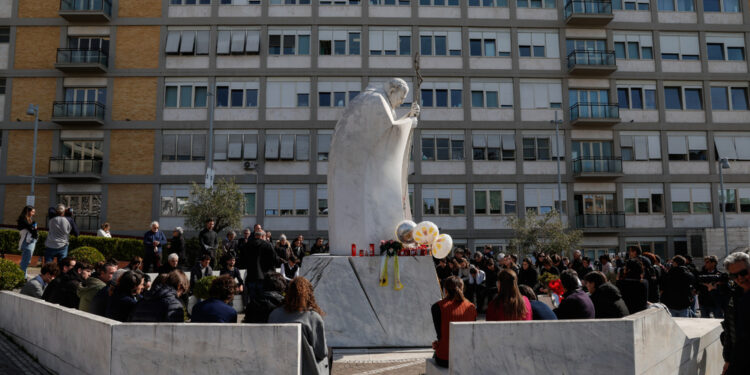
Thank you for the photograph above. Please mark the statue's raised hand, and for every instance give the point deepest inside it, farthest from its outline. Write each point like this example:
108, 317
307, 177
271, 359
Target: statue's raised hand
415, 109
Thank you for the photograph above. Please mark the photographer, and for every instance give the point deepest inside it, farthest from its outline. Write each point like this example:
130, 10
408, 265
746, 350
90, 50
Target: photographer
712, 288
736, 324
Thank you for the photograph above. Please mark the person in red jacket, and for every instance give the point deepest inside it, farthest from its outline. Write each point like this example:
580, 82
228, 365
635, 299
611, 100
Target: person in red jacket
454, 307
509, 303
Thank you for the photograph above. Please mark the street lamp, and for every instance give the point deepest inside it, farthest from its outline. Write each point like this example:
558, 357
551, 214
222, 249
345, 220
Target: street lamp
724, 164
33, 110
559, 178
209, 183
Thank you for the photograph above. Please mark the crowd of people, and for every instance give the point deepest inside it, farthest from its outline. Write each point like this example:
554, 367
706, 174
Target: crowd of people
608, 288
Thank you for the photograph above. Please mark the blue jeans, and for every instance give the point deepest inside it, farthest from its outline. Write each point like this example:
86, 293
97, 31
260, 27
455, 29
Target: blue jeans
59, 253
683, 313
27, 250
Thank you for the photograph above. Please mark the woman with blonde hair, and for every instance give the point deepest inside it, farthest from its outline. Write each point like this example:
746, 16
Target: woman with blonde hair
509, 304
300, 307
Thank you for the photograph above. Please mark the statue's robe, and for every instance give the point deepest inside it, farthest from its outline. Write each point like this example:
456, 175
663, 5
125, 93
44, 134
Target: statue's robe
367, 191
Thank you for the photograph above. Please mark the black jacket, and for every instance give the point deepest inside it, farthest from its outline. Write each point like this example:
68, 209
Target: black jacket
258, 308
196, 274
99, 303
208, 241
575, 305
177, 246
161, 304
443, 272
31, 227
736, 335
260, 258
677, 288
634, 293
528, 277
119, 307
608, 302
65, 292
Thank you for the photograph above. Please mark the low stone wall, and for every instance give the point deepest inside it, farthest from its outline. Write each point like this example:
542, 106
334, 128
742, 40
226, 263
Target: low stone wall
649, 342
69, 341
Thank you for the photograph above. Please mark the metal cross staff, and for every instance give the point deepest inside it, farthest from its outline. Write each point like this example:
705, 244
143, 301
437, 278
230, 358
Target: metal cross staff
405, 167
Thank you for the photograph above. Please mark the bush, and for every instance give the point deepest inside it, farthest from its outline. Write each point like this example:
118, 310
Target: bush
87, 254
11, 276
119, 248
202, 286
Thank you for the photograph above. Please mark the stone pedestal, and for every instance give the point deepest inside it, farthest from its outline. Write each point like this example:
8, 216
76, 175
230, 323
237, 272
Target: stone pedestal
360, 313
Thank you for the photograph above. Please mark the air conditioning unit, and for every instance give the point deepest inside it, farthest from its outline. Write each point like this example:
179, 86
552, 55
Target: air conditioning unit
250, 165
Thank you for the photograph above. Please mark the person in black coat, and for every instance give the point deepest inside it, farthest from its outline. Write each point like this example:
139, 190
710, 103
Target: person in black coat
527, 275
261, 258
209, 239
259, 307
576, 304
633, 288
162, 303
442, 269
608, 302
124, 296
677, 288
65, 291
176, 245
228, 263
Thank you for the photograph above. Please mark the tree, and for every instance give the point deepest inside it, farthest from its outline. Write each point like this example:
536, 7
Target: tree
547, 233
224, 204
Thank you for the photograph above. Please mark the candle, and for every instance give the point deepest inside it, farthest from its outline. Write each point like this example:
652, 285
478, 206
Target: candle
372, 249
354, 250
361, 253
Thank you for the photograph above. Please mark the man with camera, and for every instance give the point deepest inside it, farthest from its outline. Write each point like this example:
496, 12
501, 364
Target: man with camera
736, 324
712, 289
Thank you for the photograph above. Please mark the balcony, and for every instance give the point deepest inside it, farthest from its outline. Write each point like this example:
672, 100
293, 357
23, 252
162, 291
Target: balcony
592, 166
86, 10
588, 12
582, 114
79, 113
86, 169
582, 62
74, 60
603, 222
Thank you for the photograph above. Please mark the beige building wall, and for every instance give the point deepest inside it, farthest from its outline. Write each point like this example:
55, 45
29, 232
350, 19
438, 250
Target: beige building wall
15, 200
134, 98
42, 41
129, 206
20, 146
137, 47
40, 91
139, 8
131, 152
39, 8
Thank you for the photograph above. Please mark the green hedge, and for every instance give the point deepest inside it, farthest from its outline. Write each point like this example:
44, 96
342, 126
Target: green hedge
203, 286
11, 276
87, 254
122, 249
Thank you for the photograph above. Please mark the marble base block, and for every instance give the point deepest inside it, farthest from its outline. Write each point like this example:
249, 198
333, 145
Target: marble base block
360, 313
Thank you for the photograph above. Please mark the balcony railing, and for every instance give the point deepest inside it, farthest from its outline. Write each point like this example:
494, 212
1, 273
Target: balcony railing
591, 58
81, 10
67, 112
595, 111
601, 221
597, 165
75, 167
75, 58
588, 7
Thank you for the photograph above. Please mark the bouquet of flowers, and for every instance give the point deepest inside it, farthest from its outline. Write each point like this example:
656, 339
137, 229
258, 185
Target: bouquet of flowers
390, 247
552, 284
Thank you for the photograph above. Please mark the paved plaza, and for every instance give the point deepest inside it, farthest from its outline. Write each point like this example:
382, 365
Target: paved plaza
13, 360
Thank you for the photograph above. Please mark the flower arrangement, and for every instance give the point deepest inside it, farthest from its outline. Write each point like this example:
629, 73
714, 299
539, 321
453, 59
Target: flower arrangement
390, 247
545, 278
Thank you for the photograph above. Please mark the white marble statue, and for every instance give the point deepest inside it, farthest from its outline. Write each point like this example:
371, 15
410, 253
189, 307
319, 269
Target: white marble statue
367, 188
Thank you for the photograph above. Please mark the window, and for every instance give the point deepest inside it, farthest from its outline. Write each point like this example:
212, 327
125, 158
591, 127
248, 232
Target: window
283, 93
288, 41
4, 34
690, 147
494, 200
337, 93
643, 199
679, 5
322, 200
538, 44
187, 42
493, 146
85, 95
536, 148
683, 98
541, 199
339, 2
640, 146
240, 2
442, 147
249, 205
290, 2
189, 2
237, 95
185, 95
691, 198
538, 94
443, 200
183, 146
491, 94
287, 146
635, 5
324, 144
238, 42
174, 199
235, 145
734, 147
390, 41
390, 2
438, 2
89, 43
339, 41
634, 46
535, 4
446, 42
488, 3
2, 86
489, 43
729, 98
737, 200
441, 94
81, 150
292, 200
729, 47
679, 47
636, 96
729, 6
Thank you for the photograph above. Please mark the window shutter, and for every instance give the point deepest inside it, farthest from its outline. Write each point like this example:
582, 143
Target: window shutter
689, 45
250, 150
253, 42
725, 148
641, 147
187, 44
324, 143
376, 40
272, 146
238, 42
173, 42
654, 147
390, 40
506, 94
626, 141
677, 145
509, 142
743, 147
202, 42
303, 147
551, 45
287, 147
493, 140
670, 44
479, 140
503, 41
234, 151
697, 142
454, 40
220, 147
222, 44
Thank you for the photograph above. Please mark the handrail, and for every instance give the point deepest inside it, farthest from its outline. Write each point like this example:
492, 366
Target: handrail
591, 57
79, 56
72, 166
595, 7
87, 6
78, 110
589, 110
597, 164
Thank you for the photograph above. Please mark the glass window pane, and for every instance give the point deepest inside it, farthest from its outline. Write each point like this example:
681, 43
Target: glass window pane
538, 51
186, 96
274, 44
251, 98
441, 48
201, 96
656, 203
731, 6
324, 99
303, 100
339, 47
647, 53
681, 207
428, 149
715, 51
630, 205
289, 44
354, 43
719, 98
622, 98
456, 98
672, 98
304, 45
633, 50
477, 99
441, 98
711, 6
480, 202
489, 47
492, 101
620, 50
736, 53
222, 96
693, 99
524, 51
339, 99
171, 97
650, 99
425, 42
404, 45
496, 203
237, 97
475, 47
636, 101
426, 98
739, 99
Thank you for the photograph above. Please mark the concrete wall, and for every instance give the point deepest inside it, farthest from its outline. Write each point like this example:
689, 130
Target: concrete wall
68, 341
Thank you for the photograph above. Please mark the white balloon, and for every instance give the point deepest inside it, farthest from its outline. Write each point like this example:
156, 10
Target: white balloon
425, 233
405, 231
442, 246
